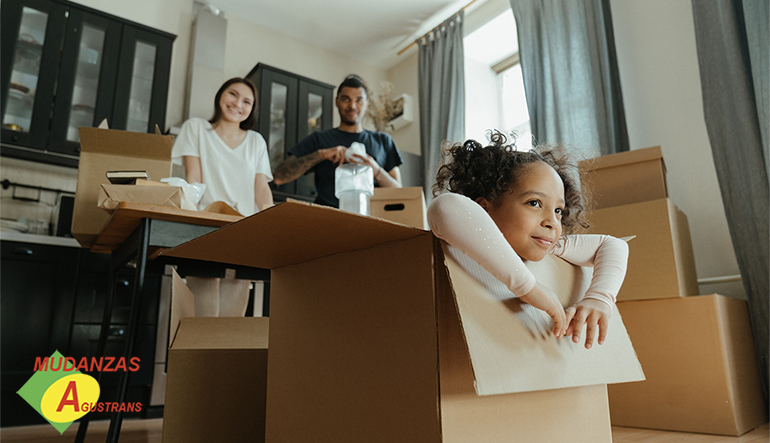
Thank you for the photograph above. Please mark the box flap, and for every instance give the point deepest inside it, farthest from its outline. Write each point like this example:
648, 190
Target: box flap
623, 158
182, 305
291, 232
126, 143
510, 344
222, 333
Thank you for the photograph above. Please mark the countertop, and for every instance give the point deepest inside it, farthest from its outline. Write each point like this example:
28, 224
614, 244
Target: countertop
38, 239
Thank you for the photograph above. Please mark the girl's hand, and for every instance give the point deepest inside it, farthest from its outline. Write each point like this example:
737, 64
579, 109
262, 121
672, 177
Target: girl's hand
591, 313
545, 300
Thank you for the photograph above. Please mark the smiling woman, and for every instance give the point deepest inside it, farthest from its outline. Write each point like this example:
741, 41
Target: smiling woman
225, 154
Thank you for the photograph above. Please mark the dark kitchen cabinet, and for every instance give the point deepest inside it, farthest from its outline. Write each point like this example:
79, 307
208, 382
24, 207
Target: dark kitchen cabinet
291, 107
52, 299
65, 66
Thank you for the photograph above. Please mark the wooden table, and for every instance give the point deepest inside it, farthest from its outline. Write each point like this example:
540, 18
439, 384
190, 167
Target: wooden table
135, 233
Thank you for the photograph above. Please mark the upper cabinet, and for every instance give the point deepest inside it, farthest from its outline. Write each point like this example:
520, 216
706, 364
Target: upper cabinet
66, 66
291, 107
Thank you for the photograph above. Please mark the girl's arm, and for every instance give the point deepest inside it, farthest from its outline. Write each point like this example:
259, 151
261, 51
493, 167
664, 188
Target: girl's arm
464, 224
607, 255
262, 194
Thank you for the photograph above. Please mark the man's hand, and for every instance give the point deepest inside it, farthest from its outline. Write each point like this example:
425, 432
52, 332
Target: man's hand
334, 155
545, 300
591, 313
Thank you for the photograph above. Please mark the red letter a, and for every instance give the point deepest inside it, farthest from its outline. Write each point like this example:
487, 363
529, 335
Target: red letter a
71, 387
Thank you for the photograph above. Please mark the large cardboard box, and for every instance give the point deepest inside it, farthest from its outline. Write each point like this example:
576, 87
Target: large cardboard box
365, 347
400, 205
701, 368
626, 177
217, 375
661, 263
105, 150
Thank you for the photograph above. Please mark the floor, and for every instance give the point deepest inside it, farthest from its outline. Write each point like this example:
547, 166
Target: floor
149, 431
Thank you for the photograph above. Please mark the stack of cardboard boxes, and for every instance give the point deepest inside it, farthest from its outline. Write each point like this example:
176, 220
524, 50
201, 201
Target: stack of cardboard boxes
697, 352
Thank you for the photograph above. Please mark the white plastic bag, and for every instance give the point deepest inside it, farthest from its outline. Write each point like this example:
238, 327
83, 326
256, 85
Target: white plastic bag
193, 192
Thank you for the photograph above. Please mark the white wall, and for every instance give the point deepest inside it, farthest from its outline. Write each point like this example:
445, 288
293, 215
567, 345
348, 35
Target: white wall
249, 44
404, 79
658, 63
482, 111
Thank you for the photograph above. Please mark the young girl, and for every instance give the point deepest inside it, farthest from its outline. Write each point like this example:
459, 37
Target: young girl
505, 206
225, 154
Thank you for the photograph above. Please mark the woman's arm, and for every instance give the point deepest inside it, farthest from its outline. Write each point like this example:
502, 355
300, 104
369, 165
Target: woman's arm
262, 194
192, 167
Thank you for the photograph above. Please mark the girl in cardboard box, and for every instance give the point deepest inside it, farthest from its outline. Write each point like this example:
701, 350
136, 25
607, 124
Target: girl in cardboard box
504, 206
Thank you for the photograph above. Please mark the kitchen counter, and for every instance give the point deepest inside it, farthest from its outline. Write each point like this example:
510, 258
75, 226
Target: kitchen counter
38, 239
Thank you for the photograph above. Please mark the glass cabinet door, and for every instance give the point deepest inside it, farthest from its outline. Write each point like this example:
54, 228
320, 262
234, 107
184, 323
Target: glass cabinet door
142, 77
29, 29
87, 78
277, 118
315, 114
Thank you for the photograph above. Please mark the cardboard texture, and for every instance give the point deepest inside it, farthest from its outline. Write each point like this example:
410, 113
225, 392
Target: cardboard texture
400, 205
702, 373
217, 376
661, 263
626, 177
361, 345
105, 150
110, 196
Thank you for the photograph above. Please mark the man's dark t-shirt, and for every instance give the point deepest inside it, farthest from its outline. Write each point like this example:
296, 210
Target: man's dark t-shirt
378, 144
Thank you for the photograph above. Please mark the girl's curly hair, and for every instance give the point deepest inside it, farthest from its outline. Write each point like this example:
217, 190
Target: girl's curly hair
491, 172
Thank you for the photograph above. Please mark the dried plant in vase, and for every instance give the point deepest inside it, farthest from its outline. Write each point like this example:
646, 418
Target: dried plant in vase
383, 108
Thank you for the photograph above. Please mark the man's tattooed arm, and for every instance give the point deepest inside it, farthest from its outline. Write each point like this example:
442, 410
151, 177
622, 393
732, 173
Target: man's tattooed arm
293, 167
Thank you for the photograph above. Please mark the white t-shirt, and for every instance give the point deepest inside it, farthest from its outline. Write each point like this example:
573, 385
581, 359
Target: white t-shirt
228, 173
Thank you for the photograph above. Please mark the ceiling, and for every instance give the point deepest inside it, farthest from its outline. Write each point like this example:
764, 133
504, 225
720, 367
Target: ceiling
371, 31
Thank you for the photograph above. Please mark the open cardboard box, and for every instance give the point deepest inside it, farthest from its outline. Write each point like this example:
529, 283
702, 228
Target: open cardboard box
217, 375
701, 367
661, 263
365, 347
400, 205
626, 177
105, 150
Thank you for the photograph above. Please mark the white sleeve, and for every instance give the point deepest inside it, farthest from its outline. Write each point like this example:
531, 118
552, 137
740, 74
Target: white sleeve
263, 159
464, 224
187, 142
608, 256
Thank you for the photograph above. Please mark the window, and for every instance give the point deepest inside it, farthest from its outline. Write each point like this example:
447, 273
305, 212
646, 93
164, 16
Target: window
494, 89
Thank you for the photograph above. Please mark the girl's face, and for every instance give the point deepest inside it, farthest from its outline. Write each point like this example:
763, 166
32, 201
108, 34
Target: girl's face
530, 215
236, 103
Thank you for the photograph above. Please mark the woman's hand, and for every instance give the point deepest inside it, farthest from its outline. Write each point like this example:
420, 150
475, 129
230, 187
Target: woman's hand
545, 300
591, 313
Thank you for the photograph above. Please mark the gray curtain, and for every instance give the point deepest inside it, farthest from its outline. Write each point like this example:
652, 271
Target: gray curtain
571, 80
735, 109
441, 84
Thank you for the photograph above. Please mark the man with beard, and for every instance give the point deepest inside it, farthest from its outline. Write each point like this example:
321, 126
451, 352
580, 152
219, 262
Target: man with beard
322, 151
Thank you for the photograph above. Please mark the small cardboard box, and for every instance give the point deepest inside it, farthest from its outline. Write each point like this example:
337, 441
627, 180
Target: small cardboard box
627, 177
110, 196
367, 348
661, 263
217, 375
701, 367
400, 205
105, 150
